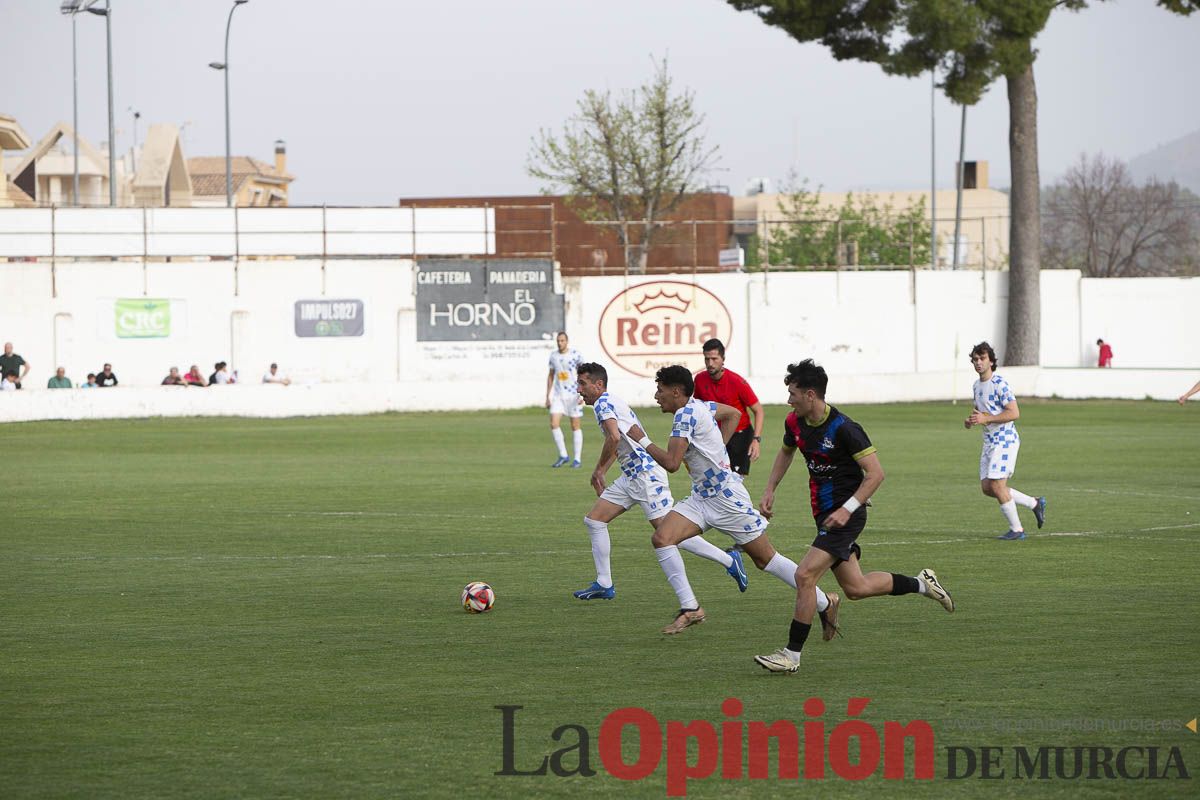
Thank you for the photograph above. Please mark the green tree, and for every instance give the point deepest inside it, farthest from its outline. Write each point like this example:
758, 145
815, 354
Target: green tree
972, 42
629, 160
816, 235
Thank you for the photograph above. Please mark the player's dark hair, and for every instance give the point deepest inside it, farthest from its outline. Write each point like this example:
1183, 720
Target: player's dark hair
714, 344
1099, 341
983, 348
677, 375
562, 333
807, 375
593, 369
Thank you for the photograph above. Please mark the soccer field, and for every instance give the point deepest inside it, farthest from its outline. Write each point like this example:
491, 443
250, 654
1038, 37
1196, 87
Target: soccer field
270, 608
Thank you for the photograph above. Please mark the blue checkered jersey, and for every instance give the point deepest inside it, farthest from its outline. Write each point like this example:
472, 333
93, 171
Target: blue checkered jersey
705, 458
563, 365
630, 456
991, 397
831, 449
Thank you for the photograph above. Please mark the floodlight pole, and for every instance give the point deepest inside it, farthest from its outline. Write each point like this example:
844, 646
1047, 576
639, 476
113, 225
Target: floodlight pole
106, 12
74, 113
112, 135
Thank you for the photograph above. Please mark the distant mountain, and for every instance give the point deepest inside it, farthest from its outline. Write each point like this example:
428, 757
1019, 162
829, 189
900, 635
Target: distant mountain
1177, 161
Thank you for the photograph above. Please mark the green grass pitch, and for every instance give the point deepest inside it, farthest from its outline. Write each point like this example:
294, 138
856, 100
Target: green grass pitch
246, 608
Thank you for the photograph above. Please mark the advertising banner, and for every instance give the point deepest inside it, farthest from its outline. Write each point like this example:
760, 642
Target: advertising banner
142, 318
658, 323
329, 318
463, 300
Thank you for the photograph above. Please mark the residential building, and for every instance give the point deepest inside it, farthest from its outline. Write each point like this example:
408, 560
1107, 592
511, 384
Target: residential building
46, 171
983, 235
12, 137
254, 183
162, 178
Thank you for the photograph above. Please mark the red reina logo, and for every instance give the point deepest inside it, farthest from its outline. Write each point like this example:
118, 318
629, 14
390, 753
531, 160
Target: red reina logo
656, 324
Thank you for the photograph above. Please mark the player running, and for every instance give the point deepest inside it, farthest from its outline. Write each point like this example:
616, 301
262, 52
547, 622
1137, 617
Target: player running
699, 432
642, 482
996, 410
844, 471
562, 397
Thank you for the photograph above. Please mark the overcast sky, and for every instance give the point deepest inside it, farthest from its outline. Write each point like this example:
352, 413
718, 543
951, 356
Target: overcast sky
380, 100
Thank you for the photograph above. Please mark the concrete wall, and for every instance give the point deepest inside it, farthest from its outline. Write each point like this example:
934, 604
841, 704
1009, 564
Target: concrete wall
884, 336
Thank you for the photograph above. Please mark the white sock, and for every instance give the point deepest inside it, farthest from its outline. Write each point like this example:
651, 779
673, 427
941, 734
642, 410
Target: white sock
559, 442
699, 546
922, 587
784, 568
577, 440
601, 550
672, 566
822, 600
1022, 499
1009, 510
794, 655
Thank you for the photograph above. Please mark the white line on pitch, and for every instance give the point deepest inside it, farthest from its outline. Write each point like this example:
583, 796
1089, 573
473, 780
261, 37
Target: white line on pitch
1128, 494
522, 553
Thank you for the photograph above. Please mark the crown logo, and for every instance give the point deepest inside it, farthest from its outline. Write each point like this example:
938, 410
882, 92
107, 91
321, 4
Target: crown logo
663, 300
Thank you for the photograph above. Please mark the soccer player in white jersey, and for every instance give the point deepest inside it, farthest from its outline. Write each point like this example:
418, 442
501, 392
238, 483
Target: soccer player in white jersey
562, 398
642, 482
996, 410
699, 432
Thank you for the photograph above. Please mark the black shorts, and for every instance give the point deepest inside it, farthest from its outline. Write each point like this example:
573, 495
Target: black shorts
739, 451
841, 543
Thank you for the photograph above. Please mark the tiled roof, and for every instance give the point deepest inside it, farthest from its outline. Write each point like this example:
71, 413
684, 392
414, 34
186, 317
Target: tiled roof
208, 173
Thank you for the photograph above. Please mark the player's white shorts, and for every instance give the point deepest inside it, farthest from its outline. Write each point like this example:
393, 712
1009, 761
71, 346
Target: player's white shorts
999, 459
567, 404
648, 490
730, 511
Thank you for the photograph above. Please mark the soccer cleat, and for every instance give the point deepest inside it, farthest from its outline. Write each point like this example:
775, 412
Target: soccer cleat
596, 592
576, 464
561, 461
686, 618
829, 626
935, 590
779, 661
1039, 511
1012, 536
737, 571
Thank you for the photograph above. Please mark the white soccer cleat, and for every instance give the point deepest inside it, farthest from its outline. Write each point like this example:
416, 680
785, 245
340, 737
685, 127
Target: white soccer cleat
934, 589
779, 661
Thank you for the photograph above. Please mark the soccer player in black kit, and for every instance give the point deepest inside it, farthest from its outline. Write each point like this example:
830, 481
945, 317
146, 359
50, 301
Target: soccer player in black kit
844, 471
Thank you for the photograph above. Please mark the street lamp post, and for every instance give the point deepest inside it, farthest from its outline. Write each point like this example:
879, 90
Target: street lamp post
224, 66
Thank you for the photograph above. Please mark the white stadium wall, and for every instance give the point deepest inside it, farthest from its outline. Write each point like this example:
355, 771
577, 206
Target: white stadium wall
883, 336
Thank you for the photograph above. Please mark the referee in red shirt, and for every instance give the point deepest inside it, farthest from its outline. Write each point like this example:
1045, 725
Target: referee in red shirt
725, 386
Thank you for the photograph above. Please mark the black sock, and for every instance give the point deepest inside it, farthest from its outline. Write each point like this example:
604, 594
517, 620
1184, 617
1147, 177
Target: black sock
797, 636
904, 584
